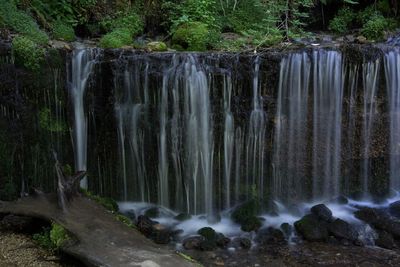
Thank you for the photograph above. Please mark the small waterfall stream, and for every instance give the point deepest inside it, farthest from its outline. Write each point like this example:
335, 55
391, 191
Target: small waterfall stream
81, 67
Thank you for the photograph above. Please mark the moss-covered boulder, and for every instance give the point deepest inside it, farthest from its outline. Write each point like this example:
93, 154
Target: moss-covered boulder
311, 228
208, 233
157, 47
322, 212
183, 217
246, 215
192, 36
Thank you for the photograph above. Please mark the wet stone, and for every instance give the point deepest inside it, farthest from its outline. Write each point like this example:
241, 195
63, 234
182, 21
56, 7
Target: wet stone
322, 212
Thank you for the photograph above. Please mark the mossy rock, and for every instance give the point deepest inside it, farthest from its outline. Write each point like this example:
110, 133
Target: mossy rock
192, 36
152, 212
183, 217
157, 46
311, 228
208, 233
246, 215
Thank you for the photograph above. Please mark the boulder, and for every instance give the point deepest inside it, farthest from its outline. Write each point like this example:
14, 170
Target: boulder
270, 235
246, 215
222, 241
152, 212
322, 212
193, 242
287, 229
385, 240
394, 209
208, 245
311, 228
160, 234
183, 217
379, 219
342, 230
145, 225
340, 200
208, 233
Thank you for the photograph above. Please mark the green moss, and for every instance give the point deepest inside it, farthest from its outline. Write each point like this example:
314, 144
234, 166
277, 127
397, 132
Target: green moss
107, 202
246, 215
342, 21
125, 220
47, 122
375, 27
192, 36
116, 39
21, 22
157, 46
27, 53
63, 31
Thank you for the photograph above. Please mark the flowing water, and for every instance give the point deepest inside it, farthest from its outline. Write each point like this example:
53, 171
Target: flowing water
201, 133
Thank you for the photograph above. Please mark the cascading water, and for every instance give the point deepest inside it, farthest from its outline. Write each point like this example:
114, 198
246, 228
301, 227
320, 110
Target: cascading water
392, 71
327, 122
291, 128
370, 85
82, 63
229, 139
256, 141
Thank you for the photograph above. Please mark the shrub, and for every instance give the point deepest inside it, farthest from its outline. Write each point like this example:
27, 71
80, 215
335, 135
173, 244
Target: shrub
21, 22
47, 122
27, 53
192, 36
63, 31
116, 39
342, 21
43, 239
58, 235
130, 22
374, 29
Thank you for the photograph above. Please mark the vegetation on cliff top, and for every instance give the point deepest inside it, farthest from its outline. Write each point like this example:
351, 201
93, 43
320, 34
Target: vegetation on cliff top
195, 24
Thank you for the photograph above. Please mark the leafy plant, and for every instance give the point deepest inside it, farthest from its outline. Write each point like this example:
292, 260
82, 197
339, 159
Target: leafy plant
63, 31
192, 36
374, 28
342, 21
21, 22
47, 122
27, 53
116, 39
51, 238
125, 220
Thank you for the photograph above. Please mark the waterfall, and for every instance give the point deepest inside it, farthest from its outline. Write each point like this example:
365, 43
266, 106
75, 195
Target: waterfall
291, 125
81, 67
370, 85
229, 139
392, 73
255, 146
327, 122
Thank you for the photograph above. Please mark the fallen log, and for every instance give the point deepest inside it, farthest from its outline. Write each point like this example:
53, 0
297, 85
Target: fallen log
101, 240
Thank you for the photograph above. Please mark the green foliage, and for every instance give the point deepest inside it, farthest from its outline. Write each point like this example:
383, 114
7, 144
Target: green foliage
47, 122
342, 21
73, 12
157, 46
192, 36
374, 28
116, 39
21, 22
58, 235
129, 21
27, 53
63, 31
51, 238
125, 220
108, 203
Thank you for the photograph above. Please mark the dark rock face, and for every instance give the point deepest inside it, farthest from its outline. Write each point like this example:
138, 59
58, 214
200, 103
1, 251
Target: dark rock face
394, 209
311, 228
322, 212
385, 240
193, 242
379, 219
342, 230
